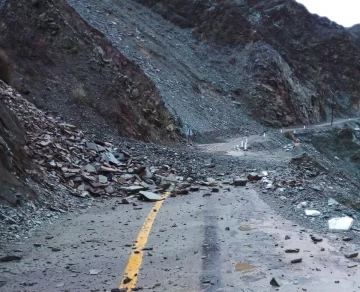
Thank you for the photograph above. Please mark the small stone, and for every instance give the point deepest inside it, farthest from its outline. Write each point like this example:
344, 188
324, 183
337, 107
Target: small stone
240, 182
125, 201
227, 228
254, 176
347, 239
10, 258
274, 283
118, 290
94, 272
89, 168
37, 244
332, 202
109, 190
287, 237
215, 190
312, 213
194, 188
132, 189
102, 179
183, 192
352, 255
150, 196
135, 93
127, 280
296, 261
55, 249
315, 239
296, 250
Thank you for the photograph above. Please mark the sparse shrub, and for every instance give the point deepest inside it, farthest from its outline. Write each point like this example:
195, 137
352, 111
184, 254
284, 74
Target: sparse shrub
290, 135
79, 94
6, 68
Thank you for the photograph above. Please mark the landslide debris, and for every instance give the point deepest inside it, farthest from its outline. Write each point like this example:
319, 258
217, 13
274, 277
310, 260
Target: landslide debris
50, 167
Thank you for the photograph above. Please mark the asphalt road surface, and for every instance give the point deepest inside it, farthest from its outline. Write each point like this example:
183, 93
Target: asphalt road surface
229, 241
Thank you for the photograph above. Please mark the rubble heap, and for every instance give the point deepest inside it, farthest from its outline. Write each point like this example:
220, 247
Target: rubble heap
63, 154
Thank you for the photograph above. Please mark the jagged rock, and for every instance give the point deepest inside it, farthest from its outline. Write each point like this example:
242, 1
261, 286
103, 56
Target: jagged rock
132, 189
254, 176
90, 168
240, 182
102, 179
109, 190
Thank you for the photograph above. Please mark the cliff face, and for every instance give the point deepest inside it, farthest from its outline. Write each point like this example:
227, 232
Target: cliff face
292, 60
13, 160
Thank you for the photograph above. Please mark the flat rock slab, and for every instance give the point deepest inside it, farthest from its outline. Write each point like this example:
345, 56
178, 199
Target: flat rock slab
341, 223
150, 196
132, 189
312, 213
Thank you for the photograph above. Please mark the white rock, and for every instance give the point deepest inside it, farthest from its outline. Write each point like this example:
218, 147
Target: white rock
301, 205
332, 202
341, 223
312, 213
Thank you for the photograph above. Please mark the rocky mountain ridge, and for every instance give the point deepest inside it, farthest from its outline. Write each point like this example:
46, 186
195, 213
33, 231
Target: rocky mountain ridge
295, 60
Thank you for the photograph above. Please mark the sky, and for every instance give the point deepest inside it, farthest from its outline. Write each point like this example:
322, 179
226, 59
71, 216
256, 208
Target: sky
344, 12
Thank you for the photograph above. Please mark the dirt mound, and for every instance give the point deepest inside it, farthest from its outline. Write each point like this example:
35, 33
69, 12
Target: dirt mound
68, 68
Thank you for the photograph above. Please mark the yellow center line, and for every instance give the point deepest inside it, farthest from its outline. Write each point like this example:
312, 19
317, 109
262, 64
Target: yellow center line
132, 269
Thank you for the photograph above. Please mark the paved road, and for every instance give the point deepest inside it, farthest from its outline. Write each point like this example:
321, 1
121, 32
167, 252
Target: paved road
228, 147
229, 241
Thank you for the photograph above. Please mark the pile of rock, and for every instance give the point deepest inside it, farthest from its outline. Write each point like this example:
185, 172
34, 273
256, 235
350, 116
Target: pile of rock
65, 156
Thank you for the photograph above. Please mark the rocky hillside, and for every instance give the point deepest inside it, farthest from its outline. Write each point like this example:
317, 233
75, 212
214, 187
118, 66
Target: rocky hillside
216, 66
216, 61
71, 70
294, 60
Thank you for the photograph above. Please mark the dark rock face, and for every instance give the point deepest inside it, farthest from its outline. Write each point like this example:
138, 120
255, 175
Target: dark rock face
13, 159
292, 60
70, 69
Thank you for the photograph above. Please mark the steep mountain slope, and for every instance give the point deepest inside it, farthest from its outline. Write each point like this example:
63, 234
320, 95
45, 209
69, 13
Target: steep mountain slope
298, 58
192, 77
69, 69
273, 58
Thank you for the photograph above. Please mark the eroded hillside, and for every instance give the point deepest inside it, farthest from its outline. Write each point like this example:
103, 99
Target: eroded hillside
220, 60
71, 70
